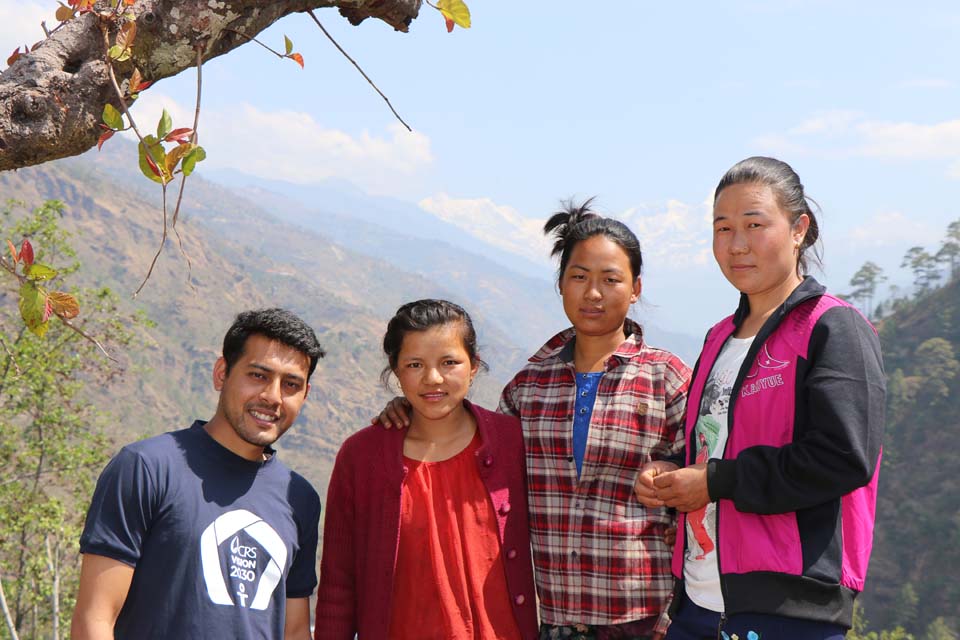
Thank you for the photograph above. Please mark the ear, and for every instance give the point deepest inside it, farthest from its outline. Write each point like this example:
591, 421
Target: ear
306, 391
637, 287
799, 229
219, 373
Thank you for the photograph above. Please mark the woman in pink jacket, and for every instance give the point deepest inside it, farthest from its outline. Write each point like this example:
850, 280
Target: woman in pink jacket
426, 533
783, 425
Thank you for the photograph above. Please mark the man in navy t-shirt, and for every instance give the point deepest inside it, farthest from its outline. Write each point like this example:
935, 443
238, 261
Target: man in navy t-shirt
203, 532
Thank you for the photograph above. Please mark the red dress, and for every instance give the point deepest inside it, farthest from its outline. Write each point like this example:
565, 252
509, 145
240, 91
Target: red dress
450, 582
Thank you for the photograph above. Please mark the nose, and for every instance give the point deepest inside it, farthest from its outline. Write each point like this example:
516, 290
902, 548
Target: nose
271, 391
433, 376
592, 292
738, 243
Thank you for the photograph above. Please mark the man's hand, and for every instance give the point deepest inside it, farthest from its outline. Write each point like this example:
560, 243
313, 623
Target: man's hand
297, 624
104, 583
684, 489
395, 414
644, 488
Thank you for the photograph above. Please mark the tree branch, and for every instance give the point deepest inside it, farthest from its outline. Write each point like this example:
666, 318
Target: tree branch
52, 99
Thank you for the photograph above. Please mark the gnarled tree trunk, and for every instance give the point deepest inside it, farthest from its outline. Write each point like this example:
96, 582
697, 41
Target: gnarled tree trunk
52, 99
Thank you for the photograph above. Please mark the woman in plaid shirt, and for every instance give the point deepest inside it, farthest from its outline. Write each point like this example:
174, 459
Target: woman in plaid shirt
596, 404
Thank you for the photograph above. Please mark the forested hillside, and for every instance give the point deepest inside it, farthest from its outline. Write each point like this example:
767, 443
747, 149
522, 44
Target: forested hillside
914, 574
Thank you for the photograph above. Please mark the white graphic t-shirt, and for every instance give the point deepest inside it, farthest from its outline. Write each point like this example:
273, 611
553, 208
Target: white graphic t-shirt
701, 571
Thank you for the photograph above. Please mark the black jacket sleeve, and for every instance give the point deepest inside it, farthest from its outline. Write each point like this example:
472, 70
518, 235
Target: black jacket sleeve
838, 430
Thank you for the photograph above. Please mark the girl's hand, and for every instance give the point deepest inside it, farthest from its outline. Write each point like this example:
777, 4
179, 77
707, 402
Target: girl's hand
644, 488
395, 414
684, 489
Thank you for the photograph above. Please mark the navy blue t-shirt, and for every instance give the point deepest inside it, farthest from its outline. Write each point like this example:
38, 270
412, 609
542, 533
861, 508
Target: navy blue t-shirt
217, 542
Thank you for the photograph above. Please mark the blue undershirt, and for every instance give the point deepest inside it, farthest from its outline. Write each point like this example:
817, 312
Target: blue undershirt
587, 384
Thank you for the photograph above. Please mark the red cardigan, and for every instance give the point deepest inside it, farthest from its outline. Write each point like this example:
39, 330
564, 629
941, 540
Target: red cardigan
362, 527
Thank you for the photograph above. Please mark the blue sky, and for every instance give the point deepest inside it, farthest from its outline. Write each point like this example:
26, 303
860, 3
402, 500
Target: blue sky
643, 104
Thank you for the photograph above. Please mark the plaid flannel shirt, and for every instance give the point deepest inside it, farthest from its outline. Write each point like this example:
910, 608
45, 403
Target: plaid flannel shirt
599, 554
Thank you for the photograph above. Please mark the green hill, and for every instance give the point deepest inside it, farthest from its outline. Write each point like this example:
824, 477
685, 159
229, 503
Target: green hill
238, 257
916, 561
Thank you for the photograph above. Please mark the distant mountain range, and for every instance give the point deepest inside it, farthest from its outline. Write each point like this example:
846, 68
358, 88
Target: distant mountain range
343, 260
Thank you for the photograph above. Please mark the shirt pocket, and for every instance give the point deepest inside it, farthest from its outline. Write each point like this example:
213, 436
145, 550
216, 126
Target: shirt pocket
626, 426
639, 554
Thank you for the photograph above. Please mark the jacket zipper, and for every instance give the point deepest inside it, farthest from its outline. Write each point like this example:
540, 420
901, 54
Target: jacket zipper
720, 625
766, 330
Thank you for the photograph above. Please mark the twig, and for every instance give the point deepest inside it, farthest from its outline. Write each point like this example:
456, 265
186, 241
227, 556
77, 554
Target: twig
88, 337
116, 88
146, 149
347, 56
252, 39
163, 241
13, 359
183, 176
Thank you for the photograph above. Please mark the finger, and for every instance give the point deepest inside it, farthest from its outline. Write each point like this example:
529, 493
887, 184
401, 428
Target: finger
663, 480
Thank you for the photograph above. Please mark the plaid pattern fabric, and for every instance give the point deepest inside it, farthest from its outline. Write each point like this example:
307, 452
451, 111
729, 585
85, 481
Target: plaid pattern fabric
599, 554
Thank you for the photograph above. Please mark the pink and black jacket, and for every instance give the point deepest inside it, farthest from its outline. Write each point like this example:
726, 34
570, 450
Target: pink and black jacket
796, 487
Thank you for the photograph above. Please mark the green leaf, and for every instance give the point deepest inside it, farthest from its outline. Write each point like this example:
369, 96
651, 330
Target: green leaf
119, 53
288, 44
38, 272
112, 117
191, 159
33, 302
157, 153
165, 125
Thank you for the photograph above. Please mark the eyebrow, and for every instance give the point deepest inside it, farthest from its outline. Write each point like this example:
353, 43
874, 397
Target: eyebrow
746, 213
607, 270
266, 369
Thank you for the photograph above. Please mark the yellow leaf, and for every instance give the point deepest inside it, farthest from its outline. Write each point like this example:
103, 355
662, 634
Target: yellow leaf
127, 34
175, 155
455, 10
63, 304
135, 81
63, 13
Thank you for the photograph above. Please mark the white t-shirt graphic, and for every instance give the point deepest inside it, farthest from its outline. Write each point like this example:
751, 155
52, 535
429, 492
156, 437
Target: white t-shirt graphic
701, 572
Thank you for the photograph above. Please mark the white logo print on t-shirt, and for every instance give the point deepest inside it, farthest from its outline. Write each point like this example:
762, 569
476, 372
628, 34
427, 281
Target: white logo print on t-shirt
252, 563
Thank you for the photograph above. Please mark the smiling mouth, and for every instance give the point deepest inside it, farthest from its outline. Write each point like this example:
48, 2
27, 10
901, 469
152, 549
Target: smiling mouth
433, 397
264, 417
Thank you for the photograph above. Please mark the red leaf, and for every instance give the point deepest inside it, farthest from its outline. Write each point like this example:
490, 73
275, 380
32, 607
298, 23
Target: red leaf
129, 3
450, 24
47, 309
181, 136
297, 58
144, 85
13, 56
26, 252
106, 135
13, 252
153, 165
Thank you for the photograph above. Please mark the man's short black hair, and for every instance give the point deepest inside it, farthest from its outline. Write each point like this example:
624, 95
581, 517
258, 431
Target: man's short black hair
276, 324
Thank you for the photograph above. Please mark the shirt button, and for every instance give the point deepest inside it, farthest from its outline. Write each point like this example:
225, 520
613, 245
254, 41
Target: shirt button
583, 410
520, 599
583, 394
488, 461
505, 508
573, 553
512, 554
